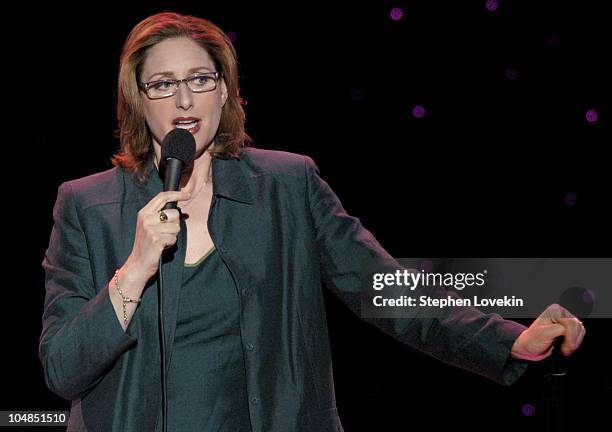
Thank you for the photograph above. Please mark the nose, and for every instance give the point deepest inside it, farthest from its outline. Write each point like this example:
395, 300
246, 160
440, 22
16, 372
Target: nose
184, 96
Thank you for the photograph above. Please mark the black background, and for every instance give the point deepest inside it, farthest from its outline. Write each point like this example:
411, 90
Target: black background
485, 172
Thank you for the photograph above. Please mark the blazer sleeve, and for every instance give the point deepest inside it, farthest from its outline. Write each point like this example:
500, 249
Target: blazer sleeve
81, 337
459, 336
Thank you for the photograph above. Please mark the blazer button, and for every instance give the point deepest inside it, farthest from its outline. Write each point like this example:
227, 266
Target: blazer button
250, 347
254, 400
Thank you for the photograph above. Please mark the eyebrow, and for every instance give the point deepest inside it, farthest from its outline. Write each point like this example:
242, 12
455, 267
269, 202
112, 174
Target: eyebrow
190, 71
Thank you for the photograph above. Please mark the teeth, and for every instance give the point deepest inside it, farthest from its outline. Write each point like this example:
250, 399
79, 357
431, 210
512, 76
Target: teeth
186, 125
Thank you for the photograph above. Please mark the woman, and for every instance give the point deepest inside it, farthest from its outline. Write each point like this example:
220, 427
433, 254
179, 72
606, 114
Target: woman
256, 235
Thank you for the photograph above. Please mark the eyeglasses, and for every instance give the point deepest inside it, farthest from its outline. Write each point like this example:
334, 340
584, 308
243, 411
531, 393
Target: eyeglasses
199, 83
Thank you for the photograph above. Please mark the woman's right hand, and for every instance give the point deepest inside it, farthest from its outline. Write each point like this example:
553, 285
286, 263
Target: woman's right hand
153, 235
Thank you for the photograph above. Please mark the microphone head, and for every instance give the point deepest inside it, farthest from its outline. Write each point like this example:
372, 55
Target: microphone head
178, 144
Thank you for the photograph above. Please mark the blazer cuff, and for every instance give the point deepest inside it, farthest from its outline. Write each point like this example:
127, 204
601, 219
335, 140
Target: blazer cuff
111, 339
513, 368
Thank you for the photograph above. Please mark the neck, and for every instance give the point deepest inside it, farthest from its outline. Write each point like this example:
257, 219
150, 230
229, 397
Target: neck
198, 176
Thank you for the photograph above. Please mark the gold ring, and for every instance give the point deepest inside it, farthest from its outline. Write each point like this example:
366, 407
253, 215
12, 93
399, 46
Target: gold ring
163, 217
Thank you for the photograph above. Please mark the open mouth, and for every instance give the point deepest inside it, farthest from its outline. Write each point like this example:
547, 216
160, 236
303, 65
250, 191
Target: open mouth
192, 125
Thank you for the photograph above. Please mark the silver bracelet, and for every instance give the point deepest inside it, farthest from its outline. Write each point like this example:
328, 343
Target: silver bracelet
125, 298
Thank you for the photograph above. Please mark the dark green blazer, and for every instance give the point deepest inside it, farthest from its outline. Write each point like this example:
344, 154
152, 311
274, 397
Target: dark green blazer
282, 232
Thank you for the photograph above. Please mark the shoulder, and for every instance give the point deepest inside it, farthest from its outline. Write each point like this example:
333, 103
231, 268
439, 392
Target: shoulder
99, 188
274, 162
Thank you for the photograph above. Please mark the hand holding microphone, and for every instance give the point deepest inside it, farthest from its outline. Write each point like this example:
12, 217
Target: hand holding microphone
158, 222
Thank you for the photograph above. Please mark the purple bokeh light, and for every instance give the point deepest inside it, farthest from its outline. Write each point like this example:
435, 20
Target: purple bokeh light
511, 74
528, 410
396, 13
232, 36
591, 115
419, 111
426, 265
588, 296
492, 5
570, 199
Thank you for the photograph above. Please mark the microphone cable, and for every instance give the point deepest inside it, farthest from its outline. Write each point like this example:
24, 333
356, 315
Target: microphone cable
162, 344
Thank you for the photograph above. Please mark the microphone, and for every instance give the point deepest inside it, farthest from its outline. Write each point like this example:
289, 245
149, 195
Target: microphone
177, 152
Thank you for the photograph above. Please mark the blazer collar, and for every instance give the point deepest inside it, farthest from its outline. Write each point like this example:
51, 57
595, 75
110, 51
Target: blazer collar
229, 181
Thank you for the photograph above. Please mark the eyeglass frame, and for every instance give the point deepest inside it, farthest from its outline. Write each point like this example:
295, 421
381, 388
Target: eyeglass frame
144, 86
